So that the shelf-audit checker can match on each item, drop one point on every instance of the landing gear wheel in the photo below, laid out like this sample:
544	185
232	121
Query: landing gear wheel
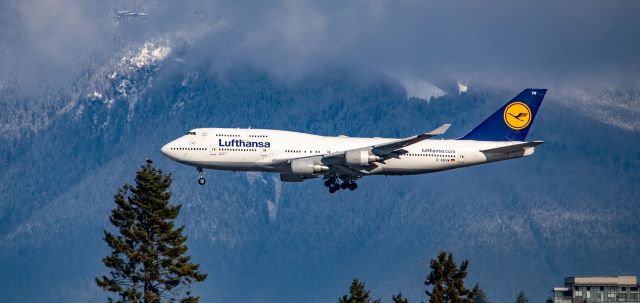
353	186
332	189
328	182
201	179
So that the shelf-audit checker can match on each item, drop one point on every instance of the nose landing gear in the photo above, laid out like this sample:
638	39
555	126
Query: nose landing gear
201	179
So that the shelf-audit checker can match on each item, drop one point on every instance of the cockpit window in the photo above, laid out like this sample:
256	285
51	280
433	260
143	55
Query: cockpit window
191	133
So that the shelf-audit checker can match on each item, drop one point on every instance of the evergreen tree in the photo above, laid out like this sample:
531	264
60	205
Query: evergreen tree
447	281
399	299
357	294
481	297
148	262
522	298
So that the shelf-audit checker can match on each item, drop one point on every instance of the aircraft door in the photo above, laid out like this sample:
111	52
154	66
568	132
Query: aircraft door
212	150
263	153
460	158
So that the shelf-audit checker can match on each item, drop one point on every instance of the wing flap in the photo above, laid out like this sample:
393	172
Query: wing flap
512	148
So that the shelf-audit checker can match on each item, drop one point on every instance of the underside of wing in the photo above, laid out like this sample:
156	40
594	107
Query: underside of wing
512	148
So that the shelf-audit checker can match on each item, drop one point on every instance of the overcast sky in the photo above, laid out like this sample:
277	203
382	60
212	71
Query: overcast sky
574	42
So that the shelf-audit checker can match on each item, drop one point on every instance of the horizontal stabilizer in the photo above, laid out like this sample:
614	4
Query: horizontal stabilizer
512	148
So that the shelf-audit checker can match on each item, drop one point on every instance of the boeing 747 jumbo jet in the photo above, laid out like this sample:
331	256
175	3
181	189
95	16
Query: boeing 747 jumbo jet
342	160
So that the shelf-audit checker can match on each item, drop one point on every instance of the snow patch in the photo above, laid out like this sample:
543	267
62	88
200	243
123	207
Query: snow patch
253	177
122	87
272	208
149	54
618	107
462	87
68	107
421	89
273	205
79	112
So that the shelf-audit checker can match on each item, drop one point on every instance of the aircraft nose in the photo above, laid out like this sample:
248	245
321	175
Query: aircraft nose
165	150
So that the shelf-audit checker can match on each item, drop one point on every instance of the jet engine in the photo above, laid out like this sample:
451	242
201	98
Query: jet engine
307	167
360	157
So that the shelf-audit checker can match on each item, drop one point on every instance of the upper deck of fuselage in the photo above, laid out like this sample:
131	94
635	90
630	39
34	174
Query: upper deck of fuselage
341	142
274	134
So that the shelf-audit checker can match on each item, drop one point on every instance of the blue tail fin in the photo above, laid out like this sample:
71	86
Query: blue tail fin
512	121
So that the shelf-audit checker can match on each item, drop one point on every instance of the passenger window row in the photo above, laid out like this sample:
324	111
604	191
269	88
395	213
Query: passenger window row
258	136
300	151
188	148
227	135
238	149
432	155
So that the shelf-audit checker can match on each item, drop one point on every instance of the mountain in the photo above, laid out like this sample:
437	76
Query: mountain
570	209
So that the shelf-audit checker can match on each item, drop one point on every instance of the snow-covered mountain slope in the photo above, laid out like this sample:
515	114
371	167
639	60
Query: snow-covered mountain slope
570	209
619	107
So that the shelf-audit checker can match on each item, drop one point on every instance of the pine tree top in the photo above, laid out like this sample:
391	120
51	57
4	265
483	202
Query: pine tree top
358	293
148	259
446	280
522	298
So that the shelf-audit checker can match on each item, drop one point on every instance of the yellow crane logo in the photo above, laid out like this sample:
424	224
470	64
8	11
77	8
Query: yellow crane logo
517	115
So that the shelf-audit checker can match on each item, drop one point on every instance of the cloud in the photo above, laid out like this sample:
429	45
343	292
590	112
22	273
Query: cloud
296	27
569	42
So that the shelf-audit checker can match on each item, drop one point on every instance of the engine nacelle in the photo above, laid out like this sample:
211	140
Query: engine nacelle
360	157
294	178
307	167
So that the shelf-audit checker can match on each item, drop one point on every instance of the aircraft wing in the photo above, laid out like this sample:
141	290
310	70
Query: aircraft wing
512	148
385	149
389	147
337	162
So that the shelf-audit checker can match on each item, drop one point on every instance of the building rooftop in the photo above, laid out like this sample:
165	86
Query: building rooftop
602	280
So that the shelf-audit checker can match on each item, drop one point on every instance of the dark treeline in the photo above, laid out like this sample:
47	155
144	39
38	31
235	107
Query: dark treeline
148	261
445	284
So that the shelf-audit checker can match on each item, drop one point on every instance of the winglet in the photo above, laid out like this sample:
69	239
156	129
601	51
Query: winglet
439	131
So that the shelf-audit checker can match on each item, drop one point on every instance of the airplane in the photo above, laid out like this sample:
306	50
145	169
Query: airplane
128	13
342	160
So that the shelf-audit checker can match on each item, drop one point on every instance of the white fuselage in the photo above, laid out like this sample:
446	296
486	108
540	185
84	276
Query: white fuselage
263	149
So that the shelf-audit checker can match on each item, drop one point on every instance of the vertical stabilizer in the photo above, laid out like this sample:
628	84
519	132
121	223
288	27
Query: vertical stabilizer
512	121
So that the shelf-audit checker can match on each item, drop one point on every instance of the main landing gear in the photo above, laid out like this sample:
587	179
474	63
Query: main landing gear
334	185
201	179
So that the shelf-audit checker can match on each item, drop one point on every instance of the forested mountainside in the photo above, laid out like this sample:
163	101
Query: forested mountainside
264	241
